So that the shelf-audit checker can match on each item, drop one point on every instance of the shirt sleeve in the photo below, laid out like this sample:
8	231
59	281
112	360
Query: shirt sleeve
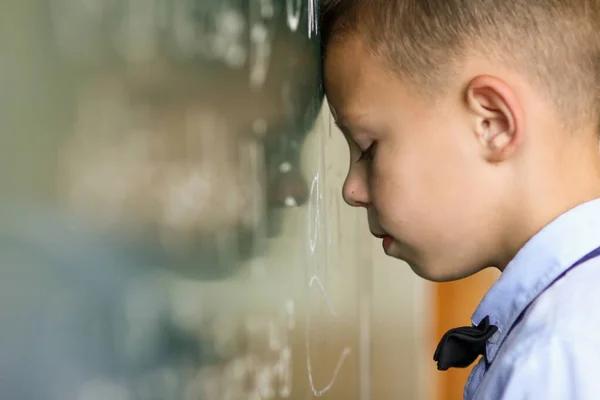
556	368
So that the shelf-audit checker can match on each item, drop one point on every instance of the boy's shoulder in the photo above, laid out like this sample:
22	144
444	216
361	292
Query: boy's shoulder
555	345
568	311
569	308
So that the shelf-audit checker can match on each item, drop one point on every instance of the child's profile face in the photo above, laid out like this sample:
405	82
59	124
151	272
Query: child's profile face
415	165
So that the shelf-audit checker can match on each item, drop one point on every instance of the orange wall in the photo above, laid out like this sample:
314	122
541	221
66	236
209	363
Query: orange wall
454	304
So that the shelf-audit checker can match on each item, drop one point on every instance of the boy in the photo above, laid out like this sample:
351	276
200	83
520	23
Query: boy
472	128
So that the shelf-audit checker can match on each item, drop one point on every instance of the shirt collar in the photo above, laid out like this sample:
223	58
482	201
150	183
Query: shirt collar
548	254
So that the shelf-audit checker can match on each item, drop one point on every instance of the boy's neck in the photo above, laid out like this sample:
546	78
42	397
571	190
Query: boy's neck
569	178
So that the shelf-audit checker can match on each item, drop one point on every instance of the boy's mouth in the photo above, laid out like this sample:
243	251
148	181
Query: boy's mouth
387	240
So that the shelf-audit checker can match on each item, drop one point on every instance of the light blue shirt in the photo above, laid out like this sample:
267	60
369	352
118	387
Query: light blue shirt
553	353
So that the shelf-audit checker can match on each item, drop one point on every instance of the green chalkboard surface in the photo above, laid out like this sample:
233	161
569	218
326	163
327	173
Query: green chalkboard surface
149	146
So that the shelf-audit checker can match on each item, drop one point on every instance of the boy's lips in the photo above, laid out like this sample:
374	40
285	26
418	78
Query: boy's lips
387	240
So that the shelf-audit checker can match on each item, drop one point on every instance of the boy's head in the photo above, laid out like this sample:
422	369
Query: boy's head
471	123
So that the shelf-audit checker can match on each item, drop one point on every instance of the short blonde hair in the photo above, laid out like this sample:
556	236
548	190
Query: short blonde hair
555	43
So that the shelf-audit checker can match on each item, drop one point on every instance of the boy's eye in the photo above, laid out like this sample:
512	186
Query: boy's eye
368	154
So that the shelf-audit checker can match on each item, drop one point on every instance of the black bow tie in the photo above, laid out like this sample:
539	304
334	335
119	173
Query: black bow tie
459	347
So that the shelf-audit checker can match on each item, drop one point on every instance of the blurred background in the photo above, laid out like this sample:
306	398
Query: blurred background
171	220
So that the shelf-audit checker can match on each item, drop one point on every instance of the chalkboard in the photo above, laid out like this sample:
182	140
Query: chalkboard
253	64
165	142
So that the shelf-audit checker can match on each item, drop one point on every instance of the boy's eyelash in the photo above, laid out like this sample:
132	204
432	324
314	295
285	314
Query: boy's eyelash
368	153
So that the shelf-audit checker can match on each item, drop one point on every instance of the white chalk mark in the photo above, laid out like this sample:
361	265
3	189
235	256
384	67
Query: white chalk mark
314	228
294	8
261	55
345	352
314	214
293	14
231	26
285	167
290	202
283	370
316	279
313	18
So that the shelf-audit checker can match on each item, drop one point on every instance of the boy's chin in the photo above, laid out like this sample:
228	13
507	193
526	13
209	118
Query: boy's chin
432	275
441	275
439	272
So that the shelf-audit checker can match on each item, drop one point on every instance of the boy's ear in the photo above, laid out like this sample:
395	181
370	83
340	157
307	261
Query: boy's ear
497	117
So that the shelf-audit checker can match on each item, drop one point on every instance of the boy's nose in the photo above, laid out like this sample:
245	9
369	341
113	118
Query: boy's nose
355	190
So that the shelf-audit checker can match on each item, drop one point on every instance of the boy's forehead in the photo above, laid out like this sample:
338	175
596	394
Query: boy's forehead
344	61
344	73
355	81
